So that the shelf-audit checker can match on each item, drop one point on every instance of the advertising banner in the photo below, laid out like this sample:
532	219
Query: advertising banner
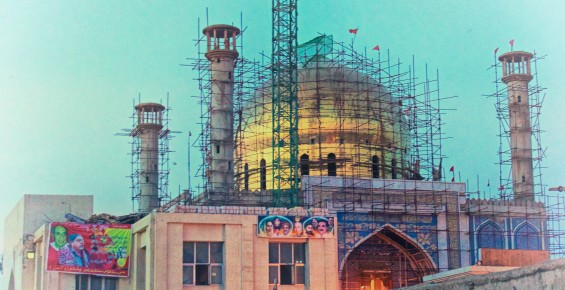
89	249
275	226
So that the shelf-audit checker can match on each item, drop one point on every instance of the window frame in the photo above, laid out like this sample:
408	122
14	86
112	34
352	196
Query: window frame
84	282
294	265
332	165
209	264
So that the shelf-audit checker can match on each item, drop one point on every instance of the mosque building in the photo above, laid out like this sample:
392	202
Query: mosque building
375	209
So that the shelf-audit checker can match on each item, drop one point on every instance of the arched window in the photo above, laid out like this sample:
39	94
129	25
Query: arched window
375	166
263	174
490	236
304	164
246	176
527	238
332	168
394	170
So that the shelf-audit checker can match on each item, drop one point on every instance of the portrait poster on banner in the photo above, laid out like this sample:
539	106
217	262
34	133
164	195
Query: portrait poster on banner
89	248
275	226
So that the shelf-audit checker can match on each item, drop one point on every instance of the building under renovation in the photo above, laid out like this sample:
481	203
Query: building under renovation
365	144
326	133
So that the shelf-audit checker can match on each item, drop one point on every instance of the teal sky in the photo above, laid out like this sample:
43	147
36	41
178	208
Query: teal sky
69	71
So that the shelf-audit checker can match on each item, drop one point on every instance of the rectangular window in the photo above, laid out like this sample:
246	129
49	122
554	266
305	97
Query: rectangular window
202	263
286	263
88	282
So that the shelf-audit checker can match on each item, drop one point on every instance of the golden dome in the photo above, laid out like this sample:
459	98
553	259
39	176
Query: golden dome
341	112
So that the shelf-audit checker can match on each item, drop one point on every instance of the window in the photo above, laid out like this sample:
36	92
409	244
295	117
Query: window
304	164
246	176
332	169
394	169
375	166
263	174
202	263
519	99
286	263
88	282
217	148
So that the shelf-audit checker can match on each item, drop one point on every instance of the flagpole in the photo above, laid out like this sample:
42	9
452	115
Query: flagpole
488	185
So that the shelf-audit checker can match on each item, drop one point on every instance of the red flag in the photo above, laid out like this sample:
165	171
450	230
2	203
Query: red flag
501	187
512	42
453	179
377	48
452	168
354	31
407	111
496	50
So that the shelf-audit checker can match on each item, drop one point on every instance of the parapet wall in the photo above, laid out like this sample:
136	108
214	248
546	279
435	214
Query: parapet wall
250	210
548	275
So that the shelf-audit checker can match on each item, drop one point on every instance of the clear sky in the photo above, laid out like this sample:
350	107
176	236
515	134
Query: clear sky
69	71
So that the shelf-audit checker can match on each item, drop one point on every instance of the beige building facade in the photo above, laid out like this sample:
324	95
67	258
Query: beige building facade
201	247
31	213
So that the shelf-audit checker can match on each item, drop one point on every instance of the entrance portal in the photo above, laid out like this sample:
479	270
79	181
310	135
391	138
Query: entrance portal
388	259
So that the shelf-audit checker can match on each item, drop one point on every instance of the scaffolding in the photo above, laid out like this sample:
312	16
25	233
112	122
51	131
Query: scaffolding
246	73
284	90
164	136
370	150
351	109
552	203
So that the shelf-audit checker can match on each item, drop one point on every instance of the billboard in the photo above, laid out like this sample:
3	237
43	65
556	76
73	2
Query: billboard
276	226
89	248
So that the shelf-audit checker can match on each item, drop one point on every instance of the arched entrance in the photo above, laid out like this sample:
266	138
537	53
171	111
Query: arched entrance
385	260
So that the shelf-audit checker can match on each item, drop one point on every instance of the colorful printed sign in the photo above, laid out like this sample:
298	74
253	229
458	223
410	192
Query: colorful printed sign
89	249
275	226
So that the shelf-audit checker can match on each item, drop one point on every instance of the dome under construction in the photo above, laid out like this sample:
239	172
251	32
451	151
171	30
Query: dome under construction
349	125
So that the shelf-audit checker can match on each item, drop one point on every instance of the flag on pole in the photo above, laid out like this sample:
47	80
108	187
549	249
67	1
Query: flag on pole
452	169
501	187
354	31
407	111
453	179
488	184
512	42
496	50
377	48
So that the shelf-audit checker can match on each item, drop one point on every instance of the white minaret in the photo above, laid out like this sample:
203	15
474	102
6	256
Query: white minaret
149	124
516	74
221	52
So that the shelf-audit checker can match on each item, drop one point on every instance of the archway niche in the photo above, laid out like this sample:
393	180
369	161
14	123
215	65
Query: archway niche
388	259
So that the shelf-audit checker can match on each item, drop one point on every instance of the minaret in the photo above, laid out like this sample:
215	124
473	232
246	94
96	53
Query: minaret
221	52
516	74
149	124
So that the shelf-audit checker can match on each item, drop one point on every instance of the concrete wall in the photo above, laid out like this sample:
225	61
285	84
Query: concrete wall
548	275
31	212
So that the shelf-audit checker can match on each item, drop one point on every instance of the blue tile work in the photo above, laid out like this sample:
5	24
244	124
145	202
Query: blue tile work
513	233
490	236
354	227
526	237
